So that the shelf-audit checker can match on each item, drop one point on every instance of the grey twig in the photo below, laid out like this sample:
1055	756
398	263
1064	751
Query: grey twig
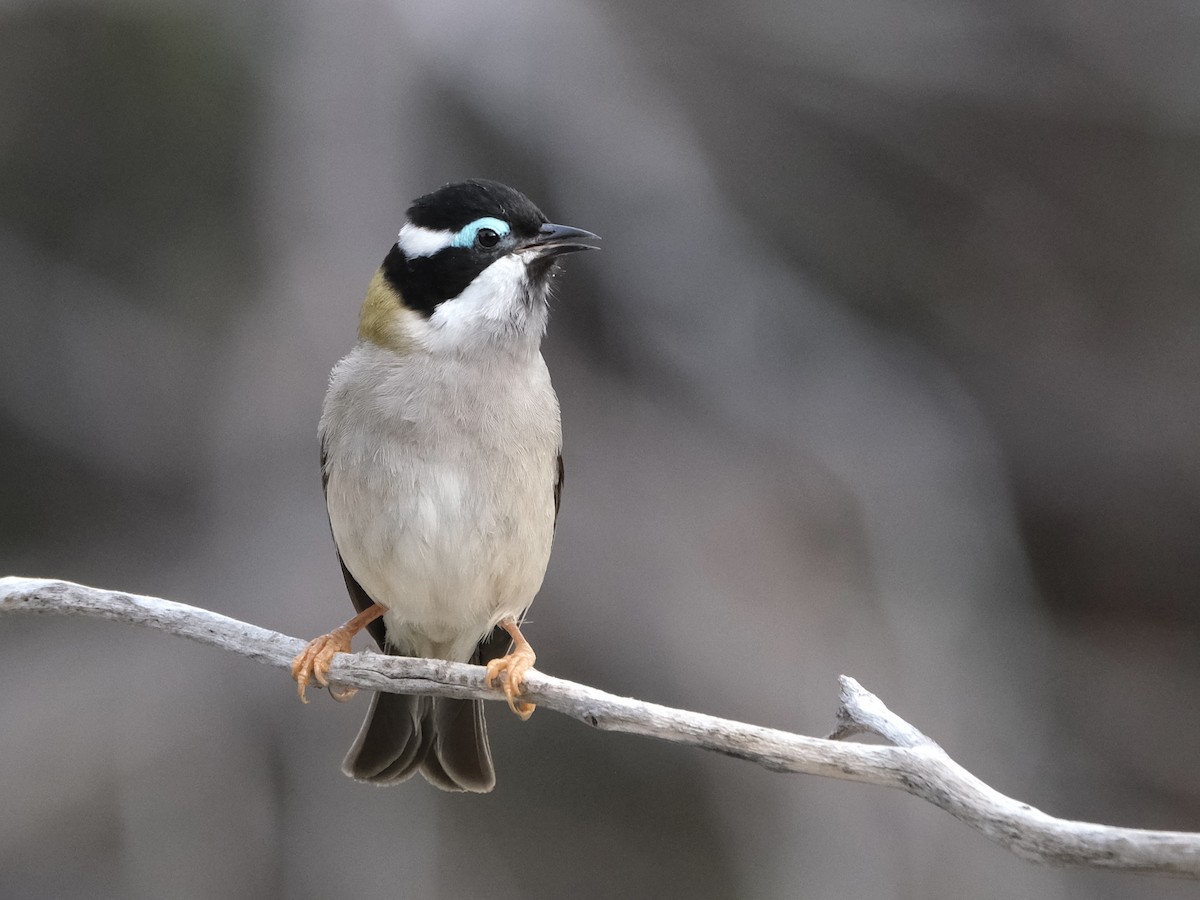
915	764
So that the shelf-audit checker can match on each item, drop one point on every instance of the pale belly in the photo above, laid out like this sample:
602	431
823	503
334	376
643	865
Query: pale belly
448	550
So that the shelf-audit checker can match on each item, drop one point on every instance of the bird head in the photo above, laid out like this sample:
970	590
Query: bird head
471	267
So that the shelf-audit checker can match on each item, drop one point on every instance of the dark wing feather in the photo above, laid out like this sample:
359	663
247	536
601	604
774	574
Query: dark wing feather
324	471
558	483
359	597
362	600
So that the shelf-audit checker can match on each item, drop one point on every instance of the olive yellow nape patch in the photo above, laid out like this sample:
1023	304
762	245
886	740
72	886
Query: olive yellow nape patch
384	317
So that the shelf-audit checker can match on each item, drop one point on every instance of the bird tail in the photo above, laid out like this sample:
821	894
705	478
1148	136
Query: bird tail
445	739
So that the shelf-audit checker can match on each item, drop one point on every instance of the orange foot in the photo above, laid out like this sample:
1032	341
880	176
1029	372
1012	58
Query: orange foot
510	670
314	660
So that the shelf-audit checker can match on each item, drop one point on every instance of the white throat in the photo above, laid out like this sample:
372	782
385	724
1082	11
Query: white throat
500	307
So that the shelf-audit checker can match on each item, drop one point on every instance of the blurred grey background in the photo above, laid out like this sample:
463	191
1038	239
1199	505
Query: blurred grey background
890	366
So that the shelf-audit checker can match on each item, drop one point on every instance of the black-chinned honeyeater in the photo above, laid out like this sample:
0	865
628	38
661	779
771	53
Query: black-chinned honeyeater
441	458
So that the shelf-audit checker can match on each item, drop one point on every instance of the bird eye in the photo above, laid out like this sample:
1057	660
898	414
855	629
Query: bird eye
484	234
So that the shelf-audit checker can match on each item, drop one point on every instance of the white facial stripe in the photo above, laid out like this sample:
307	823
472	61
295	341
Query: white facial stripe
417	241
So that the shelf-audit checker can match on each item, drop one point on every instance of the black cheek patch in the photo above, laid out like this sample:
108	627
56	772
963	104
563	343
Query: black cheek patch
426	282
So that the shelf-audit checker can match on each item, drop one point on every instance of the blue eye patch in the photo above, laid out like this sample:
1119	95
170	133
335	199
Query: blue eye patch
466	237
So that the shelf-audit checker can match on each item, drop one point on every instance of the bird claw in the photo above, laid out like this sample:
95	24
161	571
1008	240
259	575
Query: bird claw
510	672
342	692
314	660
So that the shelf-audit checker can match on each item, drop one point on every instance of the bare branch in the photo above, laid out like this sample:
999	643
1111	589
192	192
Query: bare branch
916	764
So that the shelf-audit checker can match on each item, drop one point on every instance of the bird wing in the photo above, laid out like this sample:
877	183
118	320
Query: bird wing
358	596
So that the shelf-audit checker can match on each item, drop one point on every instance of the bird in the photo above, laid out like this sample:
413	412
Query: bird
441	463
